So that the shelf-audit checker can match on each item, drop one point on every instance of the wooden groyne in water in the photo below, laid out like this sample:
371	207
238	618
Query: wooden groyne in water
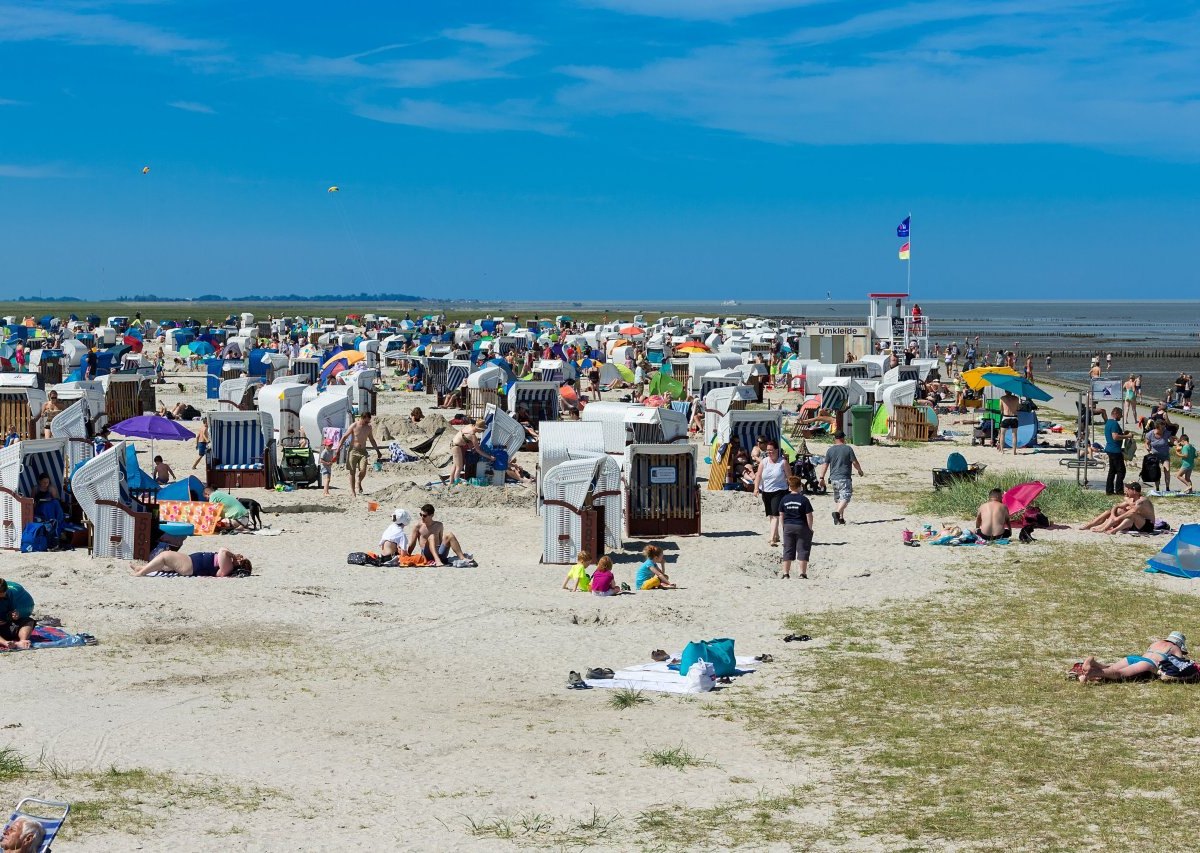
1088	352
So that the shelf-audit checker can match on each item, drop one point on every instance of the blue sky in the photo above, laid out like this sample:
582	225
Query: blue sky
593	149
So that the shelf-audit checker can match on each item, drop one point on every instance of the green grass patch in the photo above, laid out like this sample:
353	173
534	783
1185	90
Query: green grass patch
679	757
1063	501
627	697
956	718
128	798
12	765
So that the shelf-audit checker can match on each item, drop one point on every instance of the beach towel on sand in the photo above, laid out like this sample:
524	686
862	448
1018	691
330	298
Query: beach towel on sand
46	637
659	677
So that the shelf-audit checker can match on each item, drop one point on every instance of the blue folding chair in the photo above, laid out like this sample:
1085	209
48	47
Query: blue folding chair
51	814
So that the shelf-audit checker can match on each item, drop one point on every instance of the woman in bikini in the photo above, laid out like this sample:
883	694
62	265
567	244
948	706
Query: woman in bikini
465	442
50	409
1133	666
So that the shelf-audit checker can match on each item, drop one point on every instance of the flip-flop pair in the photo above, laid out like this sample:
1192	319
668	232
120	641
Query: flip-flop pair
797	638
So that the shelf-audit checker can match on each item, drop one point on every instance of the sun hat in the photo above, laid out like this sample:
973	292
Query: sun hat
401	516
1178	639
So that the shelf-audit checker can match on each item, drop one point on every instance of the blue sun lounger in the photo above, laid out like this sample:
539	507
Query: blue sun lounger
49	813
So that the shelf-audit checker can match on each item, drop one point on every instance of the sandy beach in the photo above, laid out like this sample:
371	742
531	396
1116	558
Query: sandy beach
402	709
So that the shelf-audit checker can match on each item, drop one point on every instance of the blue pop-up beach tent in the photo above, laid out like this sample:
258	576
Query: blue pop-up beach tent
1181	556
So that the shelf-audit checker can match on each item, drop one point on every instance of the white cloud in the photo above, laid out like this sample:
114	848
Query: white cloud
30	172
472	53
1028	76
700	10
50	21
513	115
192	107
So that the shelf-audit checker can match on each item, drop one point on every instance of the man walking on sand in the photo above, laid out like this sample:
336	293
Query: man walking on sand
839	460
356	463
1009	406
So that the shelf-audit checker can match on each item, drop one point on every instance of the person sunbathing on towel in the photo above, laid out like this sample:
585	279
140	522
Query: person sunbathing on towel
1134	665
992	521
1135	512
824	419
23	835
435	542
221	563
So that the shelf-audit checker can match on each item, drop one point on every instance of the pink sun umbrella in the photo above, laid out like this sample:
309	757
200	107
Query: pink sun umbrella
1020	496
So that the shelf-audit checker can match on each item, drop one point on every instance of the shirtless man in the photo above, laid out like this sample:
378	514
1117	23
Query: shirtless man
1009	406
991	521
436	544
356	463
1135	512
201	443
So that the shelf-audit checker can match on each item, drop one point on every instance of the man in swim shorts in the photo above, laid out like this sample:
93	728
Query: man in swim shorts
1135	512
992	521
1009	406
356	463
436	543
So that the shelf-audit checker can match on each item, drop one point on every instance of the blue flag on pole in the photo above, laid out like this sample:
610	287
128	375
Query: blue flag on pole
902	228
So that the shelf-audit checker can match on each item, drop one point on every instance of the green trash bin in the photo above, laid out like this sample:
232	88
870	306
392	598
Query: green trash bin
860	425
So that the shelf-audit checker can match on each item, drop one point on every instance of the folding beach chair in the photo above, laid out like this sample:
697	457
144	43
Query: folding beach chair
422	450
49	813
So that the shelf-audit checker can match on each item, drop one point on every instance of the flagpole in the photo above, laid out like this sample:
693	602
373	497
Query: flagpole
908	266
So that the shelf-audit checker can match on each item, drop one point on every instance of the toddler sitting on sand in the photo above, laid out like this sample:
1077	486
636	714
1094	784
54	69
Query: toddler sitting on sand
652	574
603	582
578	579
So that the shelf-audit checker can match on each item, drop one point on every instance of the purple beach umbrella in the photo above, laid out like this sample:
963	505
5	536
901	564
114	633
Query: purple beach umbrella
153	427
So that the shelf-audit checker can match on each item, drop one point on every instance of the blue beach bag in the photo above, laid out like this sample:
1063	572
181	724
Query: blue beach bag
34	537
717	652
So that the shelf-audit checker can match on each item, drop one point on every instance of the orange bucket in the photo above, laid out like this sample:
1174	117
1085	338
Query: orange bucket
372	506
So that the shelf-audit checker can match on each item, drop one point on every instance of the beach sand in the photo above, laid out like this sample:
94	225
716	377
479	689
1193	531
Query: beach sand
388	709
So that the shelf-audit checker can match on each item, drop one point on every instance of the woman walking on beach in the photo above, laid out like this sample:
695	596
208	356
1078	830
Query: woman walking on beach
1129	395
771	481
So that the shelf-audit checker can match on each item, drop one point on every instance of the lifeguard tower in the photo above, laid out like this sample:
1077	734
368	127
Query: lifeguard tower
894	324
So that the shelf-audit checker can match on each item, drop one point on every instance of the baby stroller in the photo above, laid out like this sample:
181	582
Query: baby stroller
298	465
804	468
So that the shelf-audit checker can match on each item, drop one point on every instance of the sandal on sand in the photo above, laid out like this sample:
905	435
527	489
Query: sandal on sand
764	658
785	577
574	682
599	673
625	588
659	655
797	638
